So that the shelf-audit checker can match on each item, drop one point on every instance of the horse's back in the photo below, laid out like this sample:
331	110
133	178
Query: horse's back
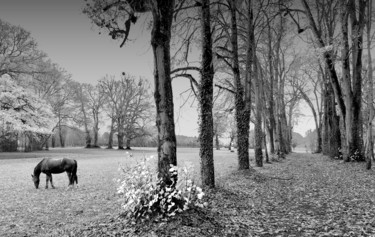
56	166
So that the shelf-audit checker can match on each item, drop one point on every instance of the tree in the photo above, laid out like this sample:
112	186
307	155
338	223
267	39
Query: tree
240	88
82	118
21	111
219	126
113	15
18	51
348	94
139	113
206	100
54	86
369	151
128	106
96	99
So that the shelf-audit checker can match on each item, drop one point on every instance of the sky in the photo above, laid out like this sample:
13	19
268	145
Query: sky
70	40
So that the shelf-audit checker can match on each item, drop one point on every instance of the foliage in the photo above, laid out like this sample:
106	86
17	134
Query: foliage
23	111
146	196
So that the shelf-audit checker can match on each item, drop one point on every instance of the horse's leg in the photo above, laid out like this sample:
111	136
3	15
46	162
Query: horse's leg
70	177
51	181
47	178
76	179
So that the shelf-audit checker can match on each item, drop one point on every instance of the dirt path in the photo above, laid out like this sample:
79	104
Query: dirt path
304	195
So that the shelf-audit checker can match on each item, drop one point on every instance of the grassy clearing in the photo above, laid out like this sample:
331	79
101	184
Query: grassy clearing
26	211
303	195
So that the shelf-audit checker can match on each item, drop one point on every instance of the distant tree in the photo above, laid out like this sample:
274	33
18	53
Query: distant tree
140	114
128	105
54	86
82	118
231	130
96	100
21	111
18	51
220	126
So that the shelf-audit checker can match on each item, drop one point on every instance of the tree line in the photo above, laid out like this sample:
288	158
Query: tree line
258	61
264	58
40	101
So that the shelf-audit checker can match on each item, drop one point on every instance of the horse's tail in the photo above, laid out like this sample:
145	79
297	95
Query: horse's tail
74	173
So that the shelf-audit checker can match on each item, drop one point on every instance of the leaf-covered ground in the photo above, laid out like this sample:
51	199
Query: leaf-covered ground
303	195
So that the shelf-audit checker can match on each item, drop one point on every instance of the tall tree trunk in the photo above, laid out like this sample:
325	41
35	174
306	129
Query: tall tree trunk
96	129
331	130
267	160
162	12
206	101
217	143
271	104
128	141
242	100
317	127
61	136
53	141
110	137
120	140
369	152
258	133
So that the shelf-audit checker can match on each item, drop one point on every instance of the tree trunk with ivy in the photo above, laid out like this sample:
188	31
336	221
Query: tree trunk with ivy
258	132
331	142
241	100
369	151
162	12
206	101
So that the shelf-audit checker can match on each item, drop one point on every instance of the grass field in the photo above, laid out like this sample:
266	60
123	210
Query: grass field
302	195
26	211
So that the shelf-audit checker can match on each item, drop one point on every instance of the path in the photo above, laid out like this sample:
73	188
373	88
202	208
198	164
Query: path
324	198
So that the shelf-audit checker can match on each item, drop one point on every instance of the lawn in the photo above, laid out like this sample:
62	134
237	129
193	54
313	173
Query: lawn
302	195
26	211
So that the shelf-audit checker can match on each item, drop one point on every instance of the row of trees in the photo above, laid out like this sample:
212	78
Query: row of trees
247	52
39	100
249	57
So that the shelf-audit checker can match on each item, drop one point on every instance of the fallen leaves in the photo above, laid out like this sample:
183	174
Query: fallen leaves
323	198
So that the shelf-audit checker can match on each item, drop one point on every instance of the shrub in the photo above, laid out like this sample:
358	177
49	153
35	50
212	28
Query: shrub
144	196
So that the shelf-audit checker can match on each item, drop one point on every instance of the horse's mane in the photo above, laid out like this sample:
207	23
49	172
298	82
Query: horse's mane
38	168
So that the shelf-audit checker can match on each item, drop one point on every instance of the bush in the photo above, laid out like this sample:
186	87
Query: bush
144	196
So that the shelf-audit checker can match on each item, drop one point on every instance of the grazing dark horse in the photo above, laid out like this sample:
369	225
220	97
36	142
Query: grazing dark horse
51	166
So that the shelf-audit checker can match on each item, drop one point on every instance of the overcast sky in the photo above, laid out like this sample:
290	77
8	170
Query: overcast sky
70	40
67	36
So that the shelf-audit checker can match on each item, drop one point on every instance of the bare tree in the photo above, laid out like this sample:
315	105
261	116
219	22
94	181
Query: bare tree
82	101
117	18
96	99
348	94
220	123
18	51
128	106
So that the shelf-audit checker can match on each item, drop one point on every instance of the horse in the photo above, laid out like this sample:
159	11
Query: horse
51	166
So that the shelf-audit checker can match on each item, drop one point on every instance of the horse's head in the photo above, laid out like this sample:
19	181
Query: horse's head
35	179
